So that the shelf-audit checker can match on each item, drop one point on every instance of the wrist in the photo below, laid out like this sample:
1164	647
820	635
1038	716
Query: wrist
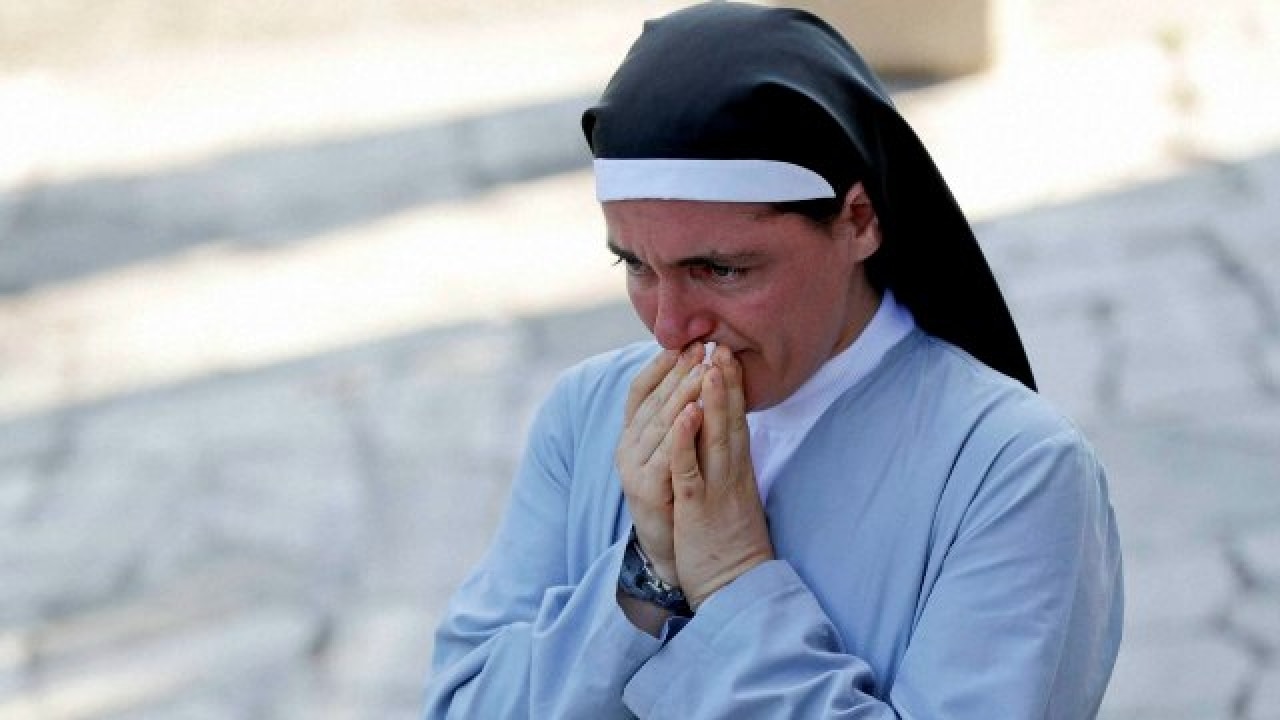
664	568
662	571
639	579
644	615
698	595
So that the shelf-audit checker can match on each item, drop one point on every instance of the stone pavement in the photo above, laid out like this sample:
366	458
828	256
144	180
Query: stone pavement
262	382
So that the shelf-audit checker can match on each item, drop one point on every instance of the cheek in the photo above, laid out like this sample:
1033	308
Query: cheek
763	317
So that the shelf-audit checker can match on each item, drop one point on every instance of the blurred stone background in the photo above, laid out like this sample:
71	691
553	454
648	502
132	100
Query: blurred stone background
282	283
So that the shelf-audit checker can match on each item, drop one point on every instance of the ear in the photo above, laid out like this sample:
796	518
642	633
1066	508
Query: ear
858	224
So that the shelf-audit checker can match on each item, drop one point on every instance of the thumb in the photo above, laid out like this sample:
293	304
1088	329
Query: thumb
686	476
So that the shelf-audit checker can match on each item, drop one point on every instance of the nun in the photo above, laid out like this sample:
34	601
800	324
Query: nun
827	488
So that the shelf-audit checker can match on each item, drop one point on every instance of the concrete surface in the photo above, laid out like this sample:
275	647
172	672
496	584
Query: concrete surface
272	323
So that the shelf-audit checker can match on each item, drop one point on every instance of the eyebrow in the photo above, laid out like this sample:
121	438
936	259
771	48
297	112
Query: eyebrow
710	258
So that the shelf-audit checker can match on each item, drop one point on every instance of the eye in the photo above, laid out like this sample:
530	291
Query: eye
721	273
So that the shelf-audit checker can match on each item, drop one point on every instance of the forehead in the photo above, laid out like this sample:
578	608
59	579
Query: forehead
644	222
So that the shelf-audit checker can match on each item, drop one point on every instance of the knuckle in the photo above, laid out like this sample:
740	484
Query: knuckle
686	471
686	476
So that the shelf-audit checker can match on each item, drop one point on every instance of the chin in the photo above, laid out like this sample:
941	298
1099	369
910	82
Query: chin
756	404
762	396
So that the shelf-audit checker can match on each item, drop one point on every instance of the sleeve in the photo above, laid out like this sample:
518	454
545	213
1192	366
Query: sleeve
1022	621
520	639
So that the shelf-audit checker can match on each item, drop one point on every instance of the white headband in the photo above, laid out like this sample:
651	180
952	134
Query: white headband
707	180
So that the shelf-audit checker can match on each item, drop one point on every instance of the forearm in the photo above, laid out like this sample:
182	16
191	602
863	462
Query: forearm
760	647
535	667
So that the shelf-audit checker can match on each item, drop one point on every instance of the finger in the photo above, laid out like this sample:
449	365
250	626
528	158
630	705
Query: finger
647	379
736	410
657	398
686	477
660	423
662	454
713	439
643	437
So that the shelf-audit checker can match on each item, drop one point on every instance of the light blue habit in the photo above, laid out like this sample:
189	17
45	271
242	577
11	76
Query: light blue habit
946	551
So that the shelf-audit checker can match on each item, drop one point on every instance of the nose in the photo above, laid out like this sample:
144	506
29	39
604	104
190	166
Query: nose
681	318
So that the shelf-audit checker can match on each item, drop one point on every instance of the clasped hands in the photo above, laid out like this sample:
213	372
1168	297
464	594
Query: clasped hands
687	474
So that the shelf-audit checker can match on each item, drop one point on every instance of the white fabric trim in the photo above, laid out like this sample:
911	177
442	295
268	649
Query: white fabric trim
776	432
707	180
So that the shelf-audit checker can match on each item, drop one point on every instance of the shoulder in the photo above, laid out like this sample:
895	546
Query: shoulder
606	372
1011	440
593	389
582	415
959	385
624	361
964	410
995	462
